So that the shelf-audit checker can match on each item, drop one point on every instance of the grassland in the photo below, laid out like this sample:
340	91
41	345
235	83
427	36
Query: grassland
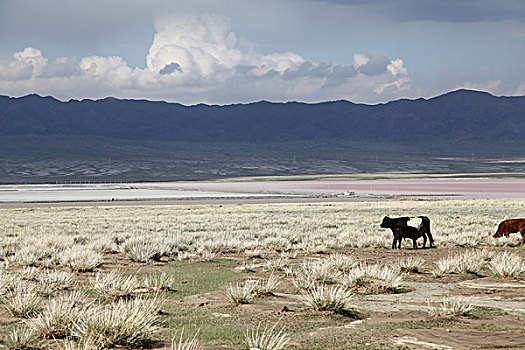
136	276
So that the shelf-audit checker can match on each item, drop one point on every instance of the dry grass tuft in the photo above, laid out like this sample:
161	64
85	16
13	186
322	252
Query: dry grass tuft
23	301
80	258
113	285
411	265
322	298
126	323
507	265
241	293
448	308
20	338
186	344
58	316
267	286
268	339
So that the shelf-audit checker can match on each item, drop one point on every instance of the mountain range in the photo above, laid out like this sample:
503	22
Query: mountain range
43	139
458	115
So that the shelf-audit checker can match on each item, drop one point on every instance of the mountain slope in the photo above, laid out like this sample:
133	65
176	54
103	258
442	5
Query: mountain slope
458	115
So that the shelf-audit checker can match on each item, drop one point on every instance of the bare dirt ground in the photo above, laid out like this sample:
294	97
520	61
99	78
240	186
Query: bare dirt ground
401	320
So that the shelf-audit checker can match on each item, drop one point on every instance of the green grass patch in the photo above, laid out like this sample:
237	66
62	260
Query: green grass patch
203	277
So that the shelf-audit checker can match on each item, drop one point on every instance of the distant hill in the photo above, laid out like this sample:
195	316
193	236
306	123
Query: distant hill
46	140
458	115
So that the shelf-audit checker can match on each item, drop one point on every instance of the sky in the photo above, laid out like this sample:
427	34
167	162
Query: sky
237	51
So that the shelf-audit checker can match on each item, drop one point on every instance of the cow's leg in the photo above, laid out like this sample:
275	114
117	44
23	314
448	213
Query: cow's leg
394	243
399	244
424	241
430	238
414	242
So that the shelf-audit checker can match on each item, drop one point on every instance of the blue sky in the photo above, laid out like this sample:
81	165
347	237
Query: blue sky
246	50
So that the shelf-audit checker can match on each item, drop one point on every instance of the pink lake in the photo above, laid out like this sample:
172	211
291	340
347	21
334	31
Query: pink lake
455	188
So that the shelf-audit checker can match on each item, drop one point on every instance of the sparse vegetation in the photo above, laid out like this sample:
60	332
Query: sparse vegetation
241	293
270	338
450	308
411	265
322	298
180	343
20	338
313	263
23	301
113	285
124	322
507	265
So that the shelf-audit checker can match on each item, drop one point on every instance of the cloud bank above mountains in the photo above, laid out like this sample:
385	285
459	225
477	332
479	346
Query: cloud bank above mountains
199	58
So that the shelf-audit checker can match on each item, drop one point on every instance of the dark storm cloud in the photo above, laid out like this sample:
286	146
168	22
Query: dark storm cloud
376	65
170	68
442	10
319	70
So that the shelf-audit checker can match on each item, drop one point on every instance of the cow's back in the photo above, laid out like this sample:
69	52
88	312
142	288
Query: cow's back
511	225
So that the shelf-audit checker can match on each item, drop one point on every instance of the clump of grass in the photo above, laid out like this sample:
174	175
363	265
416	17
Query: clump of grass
241	293
20	338
29	273
471	262
80	258
507	265
319	271
142	251
23	301
411	265
126	322
269	339
278	264
448	308
340	262
113	285
186	344
369	279
301	282
446	265
322	298
57	279
268	286
158	281
29	255
57	318
9	282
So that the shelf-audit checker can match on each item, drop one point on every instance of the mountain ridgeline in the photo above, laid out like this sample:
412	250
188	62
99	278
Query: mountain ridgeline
459	115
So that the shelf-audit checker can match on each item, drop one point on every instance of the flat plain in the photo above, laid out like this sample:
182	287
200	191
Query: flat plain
322	272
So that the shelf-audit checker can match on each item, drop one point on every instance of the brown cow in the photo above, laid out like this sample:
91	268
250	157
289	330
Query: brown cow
507	227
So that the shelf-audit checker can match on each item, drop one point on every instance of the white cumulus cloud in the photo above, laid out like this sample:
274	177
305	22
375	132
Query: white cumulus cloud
200	59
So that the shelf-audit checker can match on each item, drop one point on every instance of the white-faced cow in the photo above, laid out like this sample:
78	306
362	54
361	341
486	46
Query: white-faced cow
409	227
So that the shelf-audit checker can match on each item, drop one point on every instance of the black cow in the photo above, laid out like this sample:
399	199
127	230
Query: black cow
420	223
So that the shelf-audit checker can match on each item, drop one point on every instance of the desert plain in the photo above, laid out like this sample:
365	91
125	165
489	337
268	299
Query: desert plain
311	274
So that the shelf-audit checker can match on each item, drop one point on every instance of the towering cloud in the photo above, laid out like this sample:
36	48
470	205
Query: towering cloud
200	59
